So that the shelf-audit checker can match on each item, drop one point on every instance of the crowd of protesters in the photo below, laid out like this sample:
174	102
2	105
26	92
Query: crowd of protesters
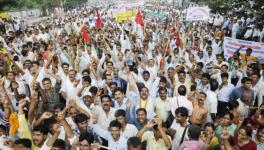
85	81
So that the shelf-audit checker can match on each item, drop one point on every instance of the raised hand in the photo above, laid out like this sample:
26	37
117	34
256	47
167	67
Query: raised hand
22	103
158	121
72	103
46	115
150	124
128	104
225	134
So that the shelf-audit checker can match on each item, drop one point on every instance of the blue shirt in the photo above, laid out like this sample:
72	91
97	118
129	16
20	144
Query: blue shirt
237	93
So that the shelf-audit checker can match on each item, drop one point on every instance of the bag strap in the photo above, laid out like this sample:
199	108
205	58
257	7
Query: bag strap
184	132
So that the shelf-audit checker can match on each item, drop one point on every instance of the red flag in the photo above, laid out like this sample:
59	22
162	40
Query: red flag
178	40
98	21
85	36
139	20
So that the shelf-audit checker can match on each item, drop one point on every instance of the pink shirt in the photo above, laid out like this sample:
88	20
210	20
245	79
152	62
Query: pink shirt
192	145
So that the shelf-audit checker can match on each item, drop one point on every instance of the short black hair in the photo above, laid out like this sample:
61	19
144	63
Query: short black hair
182	72
59	143
224	75
120	112
146	72
63	64
42	129
183	111
134	142
194	131
162	89
115	123
86	70
87	78
144	87
163	79
46	79
214	85
210	124
245	79
25	142
200	64
93	90
141	109
35	62
113	83
79	118
224	65
106	96
50	121
86	136
182	90
206	75
119	90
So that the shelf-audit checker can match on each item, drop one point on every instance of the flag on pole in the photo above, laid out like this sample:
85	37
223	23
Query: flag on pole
139	20
85	35
98	21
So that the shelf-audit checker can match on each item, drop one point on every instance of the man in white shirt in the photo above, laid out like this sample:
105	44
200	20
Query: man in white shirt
181	78
224	93
113	136
178	126
161	104
127	130
211	101
203	85
106	113
180	101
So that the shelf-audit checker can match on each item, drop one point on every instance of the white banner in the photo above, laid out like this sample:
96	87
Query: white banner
232	45
130	4
198	14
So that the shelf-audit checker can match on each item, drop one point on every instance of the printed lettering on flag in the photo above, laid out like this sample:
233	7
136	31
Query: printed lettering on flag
232	45
198	14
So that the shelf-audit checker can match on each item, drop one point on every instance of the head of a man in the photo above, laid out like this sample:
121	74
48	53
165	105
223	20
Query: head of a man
134	143
181	115
141	115
121	116
106	102
85	141
39	135
81	121
144	93
115	129
22	144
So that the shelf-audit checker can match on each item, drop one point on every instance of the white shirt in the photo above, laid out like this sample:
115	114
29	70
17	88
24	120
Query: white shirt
211	104
243	109
180	101
258	91
130	131
224	93
178	135
121	144
161	108
248	33
68	88
103	119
